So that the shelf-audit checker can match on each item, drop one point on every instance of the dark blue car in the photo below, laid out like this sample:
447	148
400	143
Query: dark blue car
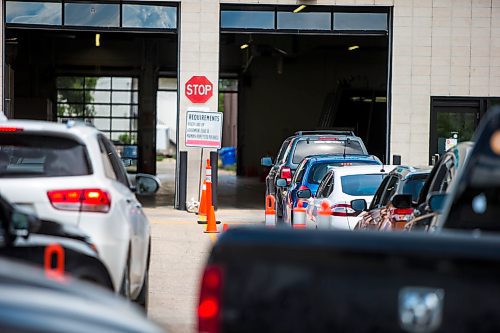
311	171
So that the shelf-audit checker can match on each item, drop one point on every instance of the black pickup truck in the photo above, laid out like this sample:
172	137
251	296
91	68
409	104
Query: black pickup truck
282	280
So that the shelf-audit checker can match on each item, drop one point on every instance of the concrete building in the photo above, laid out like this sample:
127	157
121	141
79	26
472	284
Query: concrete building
409	76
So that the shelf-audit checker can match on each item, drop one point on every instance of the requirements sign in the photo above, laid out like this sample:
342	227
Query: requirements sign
204	129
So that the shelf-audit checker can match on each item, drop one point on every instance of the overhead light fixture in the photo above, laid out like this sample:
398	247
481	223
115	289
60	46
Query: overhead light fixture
299	8
97	40
352	48
244	46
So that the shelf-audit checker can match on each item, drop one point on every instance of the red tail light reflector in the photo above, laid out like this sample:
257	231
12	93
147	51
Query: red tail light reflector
402	214
286	173
7	129
209	306
83	200
343	210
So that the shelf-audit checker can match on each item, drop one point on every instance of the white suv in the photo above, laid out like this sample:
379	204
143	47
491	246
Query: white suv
72	174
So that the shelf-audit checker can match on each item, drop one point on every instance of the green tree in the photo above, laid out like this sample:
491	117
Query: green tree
72	90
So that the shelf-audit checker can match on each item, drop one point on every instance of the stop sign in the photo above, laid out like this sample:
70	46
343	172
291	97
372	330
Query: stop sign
199	89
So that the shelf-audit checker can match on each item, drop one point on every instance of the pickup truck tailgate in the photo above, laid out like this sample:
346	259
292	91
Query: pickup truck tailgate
336	281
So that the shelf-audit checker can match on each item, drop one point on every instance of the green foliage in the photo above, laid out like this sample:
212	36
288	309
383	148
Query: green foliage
127	139
76	90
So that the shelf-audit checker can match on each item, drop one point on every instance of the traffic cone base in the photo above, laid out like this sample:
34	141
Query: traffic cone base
211	222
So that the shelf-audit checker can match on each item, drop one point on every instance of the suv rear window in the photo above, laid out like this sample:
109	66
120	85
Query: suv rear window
318	147
414	186
319	170
361	185
25	155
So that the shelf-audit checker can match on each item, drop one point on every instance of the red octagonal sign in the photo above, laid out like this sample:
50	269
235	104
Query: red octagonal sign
199	89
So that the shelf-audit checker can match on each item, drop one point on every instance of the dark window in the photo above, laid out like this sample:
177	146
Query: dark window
390	190
92	14
44	13
247	19
283	150
361	185
299	174
25	155
324	186
377	198
115	161
304	21
360	21
306	148
413	186
149	17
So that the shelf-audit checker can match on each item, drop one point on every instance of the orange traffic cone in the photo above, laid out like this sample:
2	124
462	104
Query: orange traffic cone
208	192
202	210
270	211
211	223
299	216
324	215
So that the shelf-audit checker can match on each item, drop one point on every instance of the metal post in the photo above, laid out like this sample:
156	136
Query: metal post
183	161
214	164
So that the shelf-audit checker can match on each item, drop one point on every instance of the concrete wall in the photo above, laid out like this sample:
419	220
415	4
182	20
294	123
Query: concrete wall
198	55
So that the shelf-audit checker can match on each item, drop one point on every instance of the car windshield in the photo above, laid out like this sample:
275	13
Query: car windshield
361	185
318	147
414	186
25	155
319	170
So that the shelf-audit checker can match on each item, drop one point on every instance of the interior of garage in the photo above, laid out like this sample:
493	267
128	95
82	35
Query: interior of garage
121	82
292	79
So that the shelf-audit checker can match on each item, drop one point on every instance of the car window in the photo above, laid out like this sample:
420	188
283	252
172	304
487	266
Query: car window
106	160
413	186
299	174
361	185
376	201
282	151
318	147
323	186
390	190
30	155
319	170
116	163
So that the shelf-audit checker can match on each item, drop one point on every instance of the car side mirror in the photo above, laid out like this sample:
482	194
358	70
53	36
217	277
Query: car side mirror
402	201
359	205
281	182
436	202
146	184
266	161
22	224
304	194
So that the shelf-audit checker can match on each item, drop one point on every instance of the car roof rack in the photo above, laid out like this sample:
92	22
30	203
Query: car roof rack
337	132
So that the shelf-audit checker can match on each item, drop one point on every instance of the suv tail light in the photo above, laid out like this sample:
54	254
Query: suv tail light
343	210
402	214
8	129
209	306
286	173
81	200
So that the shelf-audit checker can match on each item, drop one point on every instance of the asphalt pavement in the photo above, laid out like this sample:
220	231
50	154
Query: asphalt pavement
180	248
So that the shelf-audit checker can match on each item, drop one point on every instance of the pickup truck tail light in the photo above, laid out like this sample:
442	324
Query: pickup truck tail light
343	210
209	306
80	200
286	173
402	214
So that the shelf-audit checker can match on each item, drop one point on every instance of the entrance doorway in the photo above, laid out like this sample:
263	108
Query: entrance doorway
454	120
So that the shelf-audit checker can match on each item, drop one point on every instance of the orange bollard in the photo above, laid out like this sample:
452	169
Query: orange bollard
202	210
270	211
299	216
211	223
324	215
55	273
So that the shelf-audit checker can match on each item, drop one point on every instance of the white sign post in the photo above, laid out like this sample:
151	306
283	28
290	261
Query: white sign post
204	129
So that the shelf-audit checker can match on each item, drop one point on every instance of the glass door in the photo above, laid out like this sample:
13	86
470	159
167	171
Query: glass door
452	122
